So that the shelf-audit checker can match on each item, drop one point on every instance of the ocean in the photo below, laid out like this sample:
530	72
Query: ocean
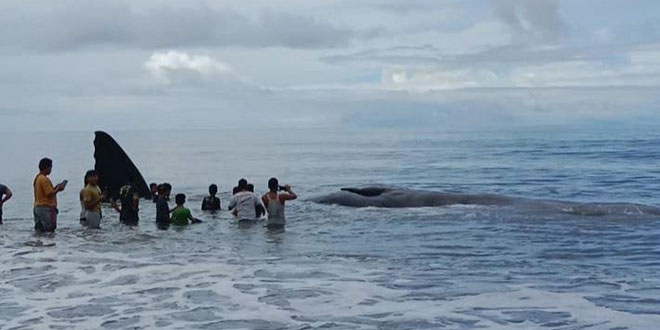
335	267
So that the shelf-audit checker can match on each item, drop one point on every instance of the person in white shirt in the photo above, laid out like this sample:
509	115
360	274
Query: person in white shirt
244	204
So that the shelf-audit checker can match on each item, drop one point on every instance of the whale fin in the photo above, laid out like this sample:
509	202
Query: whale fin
115	168
366	192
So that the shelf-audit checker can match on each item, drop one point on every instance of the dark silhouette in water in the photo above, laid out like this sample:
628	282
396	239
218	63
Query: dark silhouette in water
115	168
391	197
396	197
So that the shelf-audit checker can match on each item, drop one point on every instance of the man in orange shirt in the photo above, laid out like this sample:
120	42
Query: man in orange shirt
45	198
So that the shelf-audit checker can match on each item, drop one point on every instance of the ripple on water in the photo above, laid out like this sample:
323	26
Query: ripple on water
43	283
206	297
199	314
121	322
81	311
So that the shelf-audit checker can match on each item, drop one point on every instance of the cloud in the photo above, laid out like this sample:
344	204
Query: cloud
69	25
531	21
639	67
173	65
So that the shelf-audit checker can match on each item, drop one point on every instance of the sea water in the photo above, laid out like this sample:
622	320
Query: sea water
455	267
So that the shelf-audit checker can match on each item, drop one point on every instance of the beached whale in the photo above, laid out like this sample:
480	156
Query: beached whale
115	168
399	197
391	197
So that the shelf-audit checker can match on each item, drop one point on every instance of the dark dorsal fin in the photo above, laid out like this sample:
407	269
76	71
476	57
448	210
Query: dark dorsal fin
366	192
115	168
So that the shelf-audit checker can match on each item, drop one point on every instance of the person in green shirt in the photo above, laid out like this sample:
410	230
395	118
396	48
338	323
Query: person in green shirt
180	214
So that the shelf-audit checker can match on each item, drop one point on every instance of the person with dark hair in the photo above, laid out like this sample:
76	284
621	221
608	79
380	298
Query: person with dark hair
154	191
274	202
180	214
45	198
92	198
235	190
5	195
162	207
129	200
210	202
244	204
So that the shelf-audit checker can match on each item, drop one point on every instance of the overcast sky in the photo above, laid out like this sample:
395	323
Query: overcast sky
442	63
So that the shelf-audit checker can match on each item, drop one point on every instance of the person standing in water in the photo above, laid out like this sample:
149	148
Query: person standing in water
45	198
274	202
93	198
244	204
211	202
162	207
5	195
129	200
180	214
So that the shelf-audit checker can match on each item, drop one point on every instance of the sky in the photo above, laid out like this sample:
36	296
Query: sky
118	64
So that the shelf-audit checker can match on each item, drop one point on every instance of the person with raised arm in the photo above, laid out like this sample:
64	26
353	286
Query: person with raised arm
274	201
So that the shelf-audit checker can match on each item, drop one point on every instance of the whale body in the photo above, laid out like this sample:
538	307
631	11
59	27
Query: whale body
392	197
399	198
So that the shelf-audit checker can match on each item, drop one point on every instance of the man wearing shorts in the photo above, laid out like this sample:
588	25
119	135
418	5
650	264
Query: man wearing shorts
45	198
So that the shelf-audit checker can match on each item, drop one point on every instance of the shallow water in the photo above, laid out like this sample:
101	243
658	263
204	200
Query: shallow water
457	267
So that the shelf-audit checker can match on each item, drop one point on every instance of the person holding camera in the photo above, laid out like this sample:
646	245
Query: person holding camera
274	202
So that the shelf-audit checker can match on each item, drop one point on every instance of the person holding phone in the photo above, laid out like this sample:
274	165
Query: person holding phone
274	201
45	198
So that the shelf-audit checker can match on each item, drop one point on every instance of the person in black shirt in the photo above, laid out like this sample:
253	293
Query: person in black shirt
211	202
130	201
162	207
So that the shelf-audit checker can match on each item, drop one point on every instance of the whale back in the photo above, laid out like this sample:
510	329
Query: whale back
367	191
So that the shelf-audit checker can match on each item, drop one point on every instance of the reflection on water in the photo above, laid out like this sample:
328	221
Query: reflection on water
459	267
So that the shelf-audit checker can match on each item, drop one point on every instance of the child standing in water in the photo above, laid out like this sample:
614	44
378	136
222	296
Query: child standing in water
210	202
181	215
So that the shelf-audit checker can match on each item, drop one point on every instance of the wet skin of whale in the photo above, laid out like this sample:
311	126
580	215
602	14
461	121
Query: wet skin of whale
389	197
398	198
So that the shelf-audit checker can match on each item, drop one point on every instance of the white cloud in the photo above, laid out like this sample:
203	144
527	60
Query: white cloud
173	65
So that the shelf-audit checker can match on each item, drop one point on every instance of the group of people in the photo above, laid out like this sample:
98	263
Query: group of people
244	204
247	207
